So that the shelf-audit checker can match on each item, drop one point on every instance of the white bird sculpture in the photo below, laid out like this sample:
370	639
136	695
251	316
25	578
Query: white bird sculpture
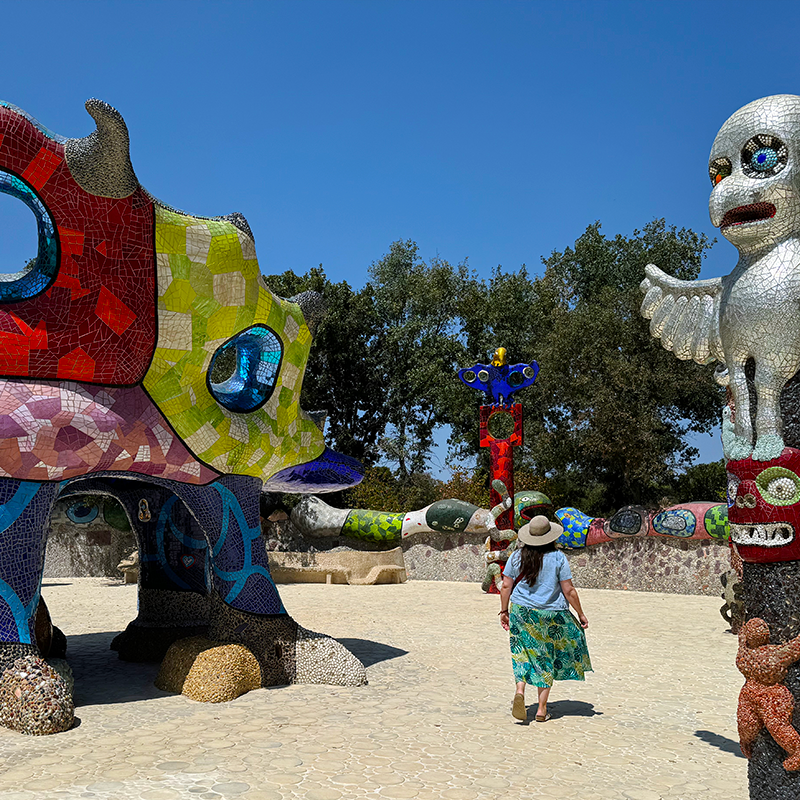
754	312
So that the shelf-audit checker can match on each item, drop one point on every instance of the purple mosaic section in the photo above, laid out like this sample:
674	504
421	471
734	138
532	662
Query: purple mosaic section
57	430
330	472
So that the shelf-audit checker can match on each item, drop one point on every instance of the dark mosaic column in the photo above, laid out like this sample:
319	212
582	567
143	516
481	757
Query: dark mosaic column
772	593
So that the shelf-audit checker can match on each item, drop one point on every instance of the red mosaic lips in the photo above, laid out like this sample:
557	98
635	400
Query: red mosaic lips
96	323
743	214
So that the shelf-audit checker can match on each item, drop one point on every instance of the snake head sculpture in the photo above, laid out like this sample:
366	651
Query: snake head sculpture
142	338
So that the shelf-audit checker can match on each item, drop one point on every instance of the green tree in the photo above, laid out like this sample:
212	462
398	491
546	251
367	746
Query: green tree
418	346
343	376
608	419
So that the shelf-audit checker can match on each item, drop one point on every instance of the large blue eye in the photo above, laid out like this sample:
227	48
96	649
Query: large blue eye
764	159
243	371
763	156
39	274
83	511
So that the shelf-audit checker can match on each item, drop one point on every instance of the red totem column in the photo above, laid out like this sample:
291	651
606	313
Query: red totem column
501	421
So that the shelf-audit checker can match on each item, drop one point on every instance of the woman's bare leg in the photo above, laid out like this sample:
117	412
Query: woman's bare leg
544	693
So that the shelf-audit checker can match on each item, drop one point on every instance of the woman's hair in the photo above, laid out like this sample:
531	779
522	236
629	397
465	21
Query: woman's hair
531	557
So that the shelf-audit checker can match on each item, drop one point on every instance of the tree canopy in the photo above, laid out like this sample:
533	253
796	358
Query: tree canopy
606	422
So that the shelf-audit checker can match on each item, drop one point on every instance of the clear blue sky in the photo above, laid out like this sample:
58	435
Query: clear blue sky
494	131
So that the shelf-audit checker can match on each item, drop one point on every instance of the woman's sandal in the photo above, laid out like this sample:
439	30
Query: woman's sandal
540	718
518	710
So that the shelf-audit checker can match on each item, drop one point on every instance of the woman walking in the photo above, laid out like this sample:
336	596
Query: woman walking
546	642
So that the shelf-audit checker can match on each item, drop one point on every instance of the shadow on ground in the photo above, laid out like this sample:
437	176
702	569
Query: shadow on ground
562	708
369	652
720	742
101	678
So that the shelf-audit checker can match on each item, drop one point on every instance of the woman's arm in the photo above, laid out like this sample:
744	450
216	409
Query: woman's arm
571	593
505	598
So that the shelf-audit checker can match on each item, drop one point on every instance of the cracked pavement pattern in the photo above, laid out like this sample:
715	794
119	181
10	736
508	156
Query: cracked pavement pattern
655	721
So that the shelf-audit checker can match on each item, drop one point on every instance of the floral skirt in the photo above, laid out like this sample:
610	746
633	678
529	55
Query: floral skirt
547	646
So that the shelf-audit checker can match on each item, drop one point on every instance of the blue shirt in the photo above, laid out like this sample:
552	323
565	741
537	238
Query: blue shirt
546	592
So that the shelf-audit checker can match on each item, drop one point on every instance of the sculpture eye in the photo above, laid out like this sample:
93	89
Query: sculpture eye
82	511
764	156
243	371
779	486
718	169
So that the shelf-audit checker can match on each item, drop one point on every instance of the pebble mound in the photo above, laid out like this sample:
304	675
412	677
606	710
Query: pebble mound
34	698
207	671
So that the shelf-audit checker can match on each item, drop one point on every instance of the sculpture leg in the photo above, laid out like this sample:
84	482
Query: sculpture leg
173	584
769	442
34	698
748	722
742	444
246	608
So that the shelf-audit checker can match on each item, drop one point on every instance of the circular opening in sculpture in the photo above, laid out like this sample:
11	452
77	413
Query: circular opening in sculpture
501	425
30	254
243	372
18	233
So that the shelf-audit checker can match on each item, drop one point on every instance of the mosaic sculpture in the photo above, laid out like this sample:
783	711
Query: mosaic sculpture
501	432
749	321
696	521
143	343
765	701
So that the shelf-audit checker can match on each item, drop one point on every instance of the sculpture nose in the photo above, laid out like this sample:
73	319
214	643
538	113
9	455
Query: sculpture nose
746	501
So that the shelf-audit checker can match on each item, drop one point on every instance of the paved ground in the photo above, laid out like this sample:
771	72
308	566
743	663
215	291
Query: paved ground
655	720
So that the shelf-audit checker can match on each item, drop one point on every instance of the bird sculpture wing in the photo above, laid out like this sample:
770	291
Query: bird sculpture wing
684	314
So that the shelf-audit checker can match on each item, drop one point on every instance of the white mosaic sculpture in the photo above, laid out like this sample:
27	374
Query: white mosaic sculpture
754	312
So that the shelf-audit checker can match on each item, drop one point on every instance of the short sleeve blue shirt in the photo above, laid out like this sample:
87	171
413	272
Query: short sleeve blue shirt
546	592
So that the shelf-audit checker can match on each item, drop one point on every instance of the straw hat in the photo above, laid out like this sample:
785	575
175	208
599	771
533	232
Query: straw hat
539	531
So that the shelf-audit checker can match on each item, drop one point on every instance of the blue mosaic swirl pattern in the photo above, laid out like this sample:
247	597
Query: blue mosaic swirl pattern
25	508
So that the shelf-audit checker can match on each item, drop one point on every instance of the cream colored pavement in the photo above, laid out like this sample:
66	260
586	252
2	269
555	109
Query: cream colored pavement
655	720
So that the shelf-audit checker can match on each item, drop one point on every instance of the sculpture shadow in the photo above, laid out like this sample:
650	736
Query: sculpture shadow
720	742
101	678
369	652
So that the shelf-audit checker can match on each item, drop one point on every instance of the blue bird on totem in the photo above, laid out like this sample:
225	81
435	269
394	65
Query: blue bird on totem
499	379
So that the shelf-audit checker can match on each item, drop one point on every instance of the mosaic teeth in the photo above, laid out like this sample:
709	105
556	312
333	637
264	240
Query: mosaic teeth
774	534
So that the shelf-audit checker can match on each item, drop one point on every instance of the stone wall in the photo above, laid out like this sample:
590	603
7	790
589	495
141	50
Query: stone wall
90	549
649	564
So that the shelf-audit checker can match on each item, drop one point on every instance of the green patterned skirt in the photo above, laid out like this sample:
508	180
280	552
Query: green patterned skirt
547	646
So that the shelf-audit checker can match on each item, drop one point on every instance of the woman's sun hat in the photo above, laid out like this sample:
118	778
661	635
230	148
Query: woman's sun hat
539	531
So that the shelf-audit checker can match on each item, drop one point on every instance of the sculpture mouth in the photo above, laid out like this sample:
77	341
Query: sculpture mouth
772	534
741	215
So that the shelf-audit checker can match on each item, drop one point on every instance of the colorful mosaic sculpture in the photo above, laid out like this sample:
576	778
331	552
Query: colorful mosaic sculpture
501	432
765	701
142	342
749	321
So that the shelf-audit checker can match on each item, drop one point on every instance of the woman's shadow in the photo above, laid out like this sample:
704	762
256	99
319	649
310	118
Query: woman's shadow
563	708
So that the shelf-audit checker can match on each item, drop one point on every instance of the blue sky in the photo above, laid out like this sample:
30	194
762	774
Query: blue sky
493	131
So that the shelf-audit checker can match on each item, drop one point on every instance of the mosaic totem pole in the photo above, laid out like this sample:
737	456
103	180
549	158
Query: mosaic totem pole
749	321
500	430
143	357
